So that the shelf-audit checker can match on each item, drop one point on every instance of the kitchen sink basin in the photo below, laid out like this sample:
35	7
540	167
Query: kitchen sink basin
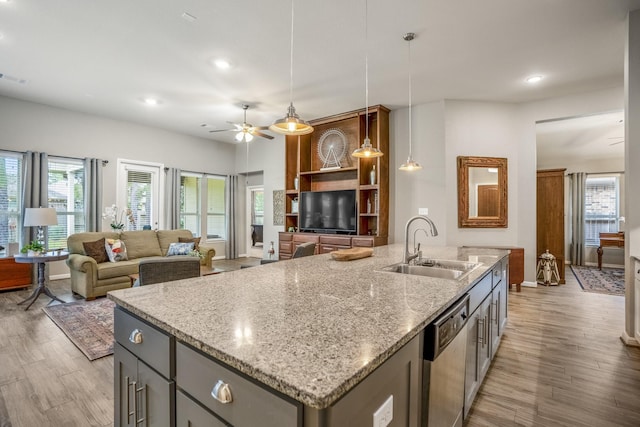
441	269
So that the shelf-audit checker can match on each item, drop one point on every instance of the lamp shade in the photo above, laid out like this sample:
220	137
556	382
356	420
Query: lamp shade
34	217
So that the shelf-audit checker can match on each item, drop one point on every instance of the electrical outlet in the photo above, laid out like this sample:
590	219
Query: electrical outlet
423	211
384	414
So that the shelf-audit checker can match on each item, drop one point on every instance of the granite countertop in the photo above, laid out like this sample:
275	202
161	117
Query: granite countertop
311	328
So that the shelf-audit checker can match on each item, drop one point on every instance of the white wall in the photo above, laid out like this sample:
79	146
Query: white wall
58	132
266	156
631	333
426	188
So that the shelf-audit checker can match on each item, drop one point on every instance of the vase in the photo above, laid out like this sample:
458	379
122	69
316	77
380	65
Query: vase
295	183
271	250
372	176
33	253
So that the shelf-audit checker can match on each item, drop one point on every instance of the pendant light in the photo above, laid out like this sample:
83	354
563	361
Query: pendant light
291	123
366	150
410	164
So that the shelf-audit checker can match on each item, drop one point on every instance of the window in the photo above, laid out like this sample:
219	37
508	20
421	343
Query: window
139	189
66	196
601	209
200	193
190	203
10	197
257	206
216	209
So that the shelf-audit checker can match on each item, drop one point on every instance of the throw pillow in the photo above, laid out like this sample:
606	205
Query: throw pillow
116	250
180	248
96	250
195	240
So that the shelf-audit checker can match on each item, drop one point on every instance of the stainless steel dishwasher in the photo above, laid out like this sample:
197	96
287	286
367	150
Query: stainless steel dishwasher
445	343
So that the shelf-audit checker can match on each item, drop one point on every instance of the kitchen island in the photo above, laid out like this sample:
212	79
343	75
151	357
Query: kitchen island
309	330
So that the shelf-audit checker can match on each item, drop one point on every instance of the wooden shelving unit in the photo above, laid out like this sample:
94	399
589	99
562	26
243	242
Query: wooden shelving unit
303	162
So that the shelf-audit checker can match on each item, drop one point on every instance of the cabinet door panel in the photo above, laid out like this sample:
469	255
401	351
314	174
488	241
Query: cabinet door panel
156	400
190	414
126	372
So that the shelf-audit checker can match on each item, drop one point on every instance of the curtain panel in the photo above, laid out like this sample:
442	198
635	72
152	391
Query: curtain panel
578	182
93	193
231	199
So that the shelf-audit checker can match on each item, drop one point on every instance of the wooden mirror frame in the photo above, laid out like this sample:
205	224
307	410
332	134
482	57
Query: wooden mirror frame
464	221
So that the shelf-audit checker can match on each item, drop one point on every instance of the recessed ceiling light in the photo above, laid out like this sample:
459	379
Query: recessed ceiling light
5	1
151	101
222	64
533	79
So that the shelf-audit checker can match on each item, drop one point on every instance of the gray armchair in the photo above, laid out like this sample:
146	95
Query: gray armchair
167	269
305	249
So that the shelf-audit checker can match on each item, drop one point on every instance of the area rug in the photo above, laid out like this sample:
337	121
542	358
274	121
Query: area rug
88	324
606	281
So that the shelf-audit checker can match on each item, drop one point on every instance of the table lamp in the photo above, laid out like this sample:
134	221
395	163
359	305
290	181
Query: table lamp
40	217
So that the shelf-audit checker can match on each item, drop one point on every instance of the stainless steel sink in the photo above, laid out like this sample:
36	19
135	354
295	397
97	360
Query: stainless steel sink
441	269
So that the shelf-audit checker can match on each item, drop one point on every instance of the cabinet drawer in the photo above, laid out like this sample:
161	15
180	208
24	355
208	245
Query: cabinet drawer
190	414
363	242
479	292
304	238
325	249
155	347
497	273
336	240
285	247
251	404
285	236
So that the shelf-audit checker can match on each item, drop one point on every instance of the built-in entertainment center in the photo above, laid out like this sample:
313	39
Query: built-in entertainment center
331	198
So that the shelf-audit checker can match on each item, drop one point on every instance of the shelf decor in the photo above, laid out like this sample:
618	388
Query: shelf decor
332	147
278	207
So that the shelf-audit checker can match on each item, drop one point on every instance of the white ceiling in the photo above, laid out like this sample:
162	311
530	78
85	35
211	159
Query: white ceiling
105	57
582	139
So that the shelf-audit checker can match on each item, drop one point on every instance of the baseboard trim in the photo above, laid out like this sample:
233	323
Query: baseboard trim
219	257
59	276
529	284
630	341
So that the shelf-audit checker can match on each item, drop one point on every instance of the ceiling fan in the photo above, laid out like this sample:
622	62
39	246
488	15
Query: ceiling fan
246	131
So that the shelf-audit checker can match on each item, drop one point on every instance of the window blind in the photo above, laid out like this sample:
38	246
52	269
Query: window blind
66	196
10	197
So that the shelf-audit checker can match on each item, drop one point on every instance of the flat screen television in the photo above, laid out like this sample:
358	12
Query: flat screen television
328	211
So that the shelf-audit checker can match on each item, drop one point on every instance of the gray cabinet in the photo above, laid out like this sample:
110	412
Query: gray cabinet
190	414
485	327
231	396
143	394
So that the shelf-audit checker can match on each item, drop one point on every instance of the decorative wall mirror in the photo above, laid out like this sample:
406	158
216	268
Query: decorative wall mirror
482	192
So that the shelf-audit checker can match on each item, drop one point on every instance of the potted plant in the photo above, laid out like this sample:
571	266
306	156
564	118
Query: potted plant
33	249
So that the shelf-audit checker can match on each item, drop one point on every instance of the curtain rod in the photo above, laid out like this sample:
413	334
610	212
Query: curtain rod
597	173
104	162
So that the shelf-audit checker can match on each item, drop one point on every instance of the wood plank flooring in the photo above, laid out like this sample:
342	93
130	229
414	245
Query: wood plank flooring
561	363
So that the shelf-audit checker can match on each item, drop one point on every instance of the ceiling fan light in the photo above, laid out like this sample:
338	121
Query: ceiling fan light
291	124
239	136
410	165
367	151
248	137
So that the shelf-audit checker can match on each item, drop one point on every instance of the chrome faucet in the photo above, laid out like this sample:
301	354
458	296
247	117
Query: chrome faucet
434	232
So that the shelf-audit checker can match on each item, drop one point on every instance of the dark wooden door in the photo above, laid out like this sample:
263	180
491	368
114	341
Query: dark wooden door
488	200
550	215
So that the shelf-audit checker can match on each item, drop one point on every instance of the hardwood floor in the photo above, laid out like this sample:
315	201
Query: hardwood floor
561	363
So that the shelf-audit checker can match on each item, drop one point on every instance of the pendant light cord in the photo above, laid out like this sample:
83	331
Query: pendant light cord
366	69
291	59
410	148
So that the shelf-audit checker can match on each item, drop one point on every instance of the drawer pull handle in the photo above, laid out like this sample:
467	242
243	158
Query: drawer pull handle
136	336
221	392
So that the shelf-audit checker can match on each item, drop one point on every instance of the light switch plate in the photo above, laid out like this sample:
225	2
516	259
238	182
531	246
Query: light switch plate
384	414
423	211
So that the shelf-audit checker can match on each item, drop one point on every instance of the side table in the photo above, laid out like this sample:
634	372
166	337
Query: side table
40	260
